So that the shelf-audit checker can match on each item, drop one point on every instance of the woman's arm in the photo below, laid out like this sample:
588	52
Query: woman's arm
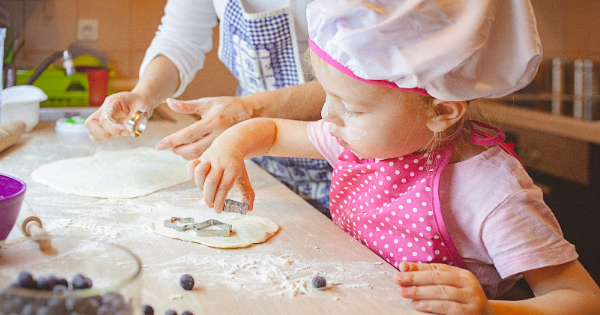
300	102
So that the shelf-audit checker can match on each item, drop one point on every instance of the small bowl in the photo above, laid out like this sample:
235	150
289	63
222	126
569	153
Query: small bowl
12	192
114	272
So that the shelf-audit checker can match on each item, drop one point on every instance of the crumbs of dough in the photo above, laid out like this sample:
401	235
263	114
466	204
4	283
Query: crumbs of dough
176	297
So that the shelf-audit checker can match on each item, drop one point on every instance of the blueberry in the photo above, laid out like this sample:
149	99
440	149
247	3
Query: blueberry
28	309
62	281
319	283
44	284
148	310
81	282
43	310
114	301
104	310
13	305
53	280
26	280
187	313
56	305
170	312
187	282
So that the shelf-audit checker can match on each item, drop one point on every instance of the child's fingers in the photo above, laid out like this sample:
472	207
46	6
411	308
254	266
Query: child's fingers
409	266
200	173
224	186
433	292
432	274
211	186
191	166
243	184
444	307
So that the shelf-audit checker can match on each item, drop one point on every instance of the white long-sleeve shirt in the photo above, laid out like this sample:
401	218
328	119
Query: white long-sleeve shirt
185	33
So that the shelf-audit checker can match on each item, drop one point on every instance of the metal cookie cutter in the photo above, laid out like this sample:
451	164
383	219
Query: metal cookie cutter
188	224
235	206
224	229
137	123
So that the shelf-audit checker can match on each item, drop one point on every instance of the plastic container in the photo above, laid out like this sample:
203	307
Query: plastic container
98	85
74	126
62	90
22	103
114	272
12	192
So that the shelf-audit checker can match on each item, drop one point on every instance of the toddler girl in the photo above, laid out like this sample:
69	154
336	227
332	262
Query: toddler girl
414	180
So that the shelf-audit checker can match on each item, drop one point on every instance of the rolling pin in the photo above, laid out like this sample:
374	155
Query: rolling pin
10	132
31	225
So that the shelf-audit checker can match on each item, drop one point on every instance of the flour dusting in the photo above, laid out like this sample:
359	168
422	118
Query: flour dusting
265	274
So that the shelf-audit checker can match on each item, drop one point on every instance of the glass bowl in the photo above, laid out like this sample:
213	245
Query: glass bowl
112	271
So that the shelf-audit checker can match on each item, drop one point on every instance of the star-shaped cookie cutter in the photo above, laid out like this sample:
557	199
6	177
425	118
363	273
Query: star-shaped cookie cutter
186	224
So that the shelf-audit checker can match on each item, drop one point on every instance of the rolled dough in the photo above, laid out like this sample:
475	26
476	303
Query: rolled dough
246	230
115	174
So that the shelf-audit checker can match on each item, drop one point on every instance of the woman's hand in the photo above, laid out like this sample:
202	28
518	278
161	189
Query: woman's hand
110	120
217	171
442	289
218	114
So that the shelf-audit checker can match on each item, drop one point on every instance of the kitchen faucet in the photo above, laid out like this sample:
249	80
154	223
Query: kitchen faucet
75	50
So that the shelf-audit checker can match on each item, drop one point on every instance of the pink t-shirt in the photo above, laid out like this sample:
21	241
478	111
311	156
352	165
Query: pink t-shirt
494	213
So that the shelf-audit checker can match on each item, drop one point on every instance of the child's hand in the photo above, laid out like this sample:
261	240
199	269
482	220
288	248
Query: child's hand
442	289
215	173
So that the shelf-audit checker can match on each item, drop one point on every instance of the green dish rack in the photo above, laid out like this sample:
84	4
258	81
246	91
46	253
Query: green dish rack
62	90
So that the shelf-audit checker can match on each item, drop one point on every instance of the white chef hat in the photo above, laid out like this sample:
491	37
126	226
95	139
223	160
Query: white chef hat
453	50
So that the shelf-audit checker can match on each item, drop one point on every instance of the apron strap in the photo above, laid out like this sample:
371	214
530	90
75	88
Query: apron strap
480	137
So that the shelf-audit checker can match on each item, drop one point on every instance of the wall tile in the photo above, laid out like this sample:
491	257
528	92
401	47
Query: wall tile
120	63
16	10
145	19
49	25
113	23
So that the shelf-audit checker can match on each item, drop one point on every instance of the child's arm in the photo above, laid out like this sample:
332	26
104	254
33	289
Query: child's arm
442	289
222	166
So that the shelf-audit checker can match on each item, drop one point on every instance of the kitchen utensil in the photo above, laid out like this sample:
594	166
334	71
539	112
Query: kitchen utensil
30	224
137	124
235	206
186	224
22	102
10	133
12	192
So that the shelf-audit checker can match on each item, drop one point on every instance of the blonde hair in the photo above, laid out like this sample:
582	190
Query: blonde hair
425	104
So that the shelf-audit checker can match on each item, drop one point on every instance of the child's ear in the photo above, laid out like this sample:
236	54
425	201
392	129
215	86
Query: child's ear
445	114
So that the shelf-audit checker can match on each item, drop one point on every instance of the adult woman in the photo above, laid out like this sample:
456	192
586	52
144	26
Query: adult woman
262	43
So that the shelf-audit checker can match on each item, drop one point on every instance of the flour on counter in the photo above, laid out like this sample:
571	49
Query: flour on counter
265	274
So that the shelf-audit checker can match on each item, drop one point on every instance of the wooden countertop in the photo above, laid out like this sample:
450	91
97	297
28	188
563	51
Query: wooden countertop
266	278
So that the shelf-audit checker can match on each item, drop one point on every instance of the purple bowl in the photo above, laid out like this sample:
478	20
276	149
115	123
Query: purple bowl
12	192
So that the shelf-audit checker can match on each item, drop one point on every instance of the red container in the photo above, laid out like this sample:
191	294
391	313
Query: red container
12	192
97	86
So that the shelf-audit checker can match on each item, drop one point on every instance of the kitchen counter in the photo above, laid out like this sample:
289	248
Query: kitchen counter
269	278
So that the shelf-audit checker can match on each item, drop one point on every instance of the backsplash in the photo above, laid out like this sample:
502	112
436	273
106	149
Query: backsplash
125	30
569	29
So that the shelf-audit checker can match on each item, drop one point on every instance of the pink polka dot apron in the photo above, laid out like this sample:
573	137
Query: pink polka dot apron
393	206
